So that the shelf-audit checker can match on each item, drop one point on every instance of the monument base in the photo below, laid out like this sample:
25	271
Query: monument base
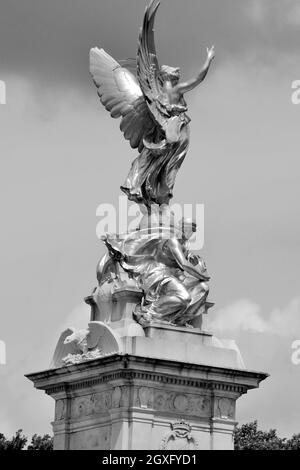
130	401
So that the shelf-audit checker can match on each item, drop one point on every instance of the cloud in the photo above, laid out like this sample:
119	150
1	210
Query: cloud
286	321
63	156
245	315
241	315
17	391
256	10
65	31
265	342
22	407
293	15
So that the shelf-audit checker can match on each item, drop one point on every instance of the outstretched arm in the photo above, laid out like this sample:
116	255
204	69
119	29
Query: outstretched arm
190	84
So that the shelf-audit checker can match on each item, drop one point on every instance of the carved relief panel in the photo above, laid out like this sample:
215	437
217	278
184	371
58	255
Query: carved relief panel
224	407
179	438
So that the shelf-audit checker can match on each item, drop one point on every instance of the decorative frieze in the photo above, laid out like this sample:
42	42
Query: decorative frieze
100	402
188	404
145	398
123	401
224	408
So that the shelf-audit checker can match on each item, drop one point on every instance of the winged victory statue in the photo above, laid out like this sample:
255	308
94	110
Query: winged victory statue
152	261
149	99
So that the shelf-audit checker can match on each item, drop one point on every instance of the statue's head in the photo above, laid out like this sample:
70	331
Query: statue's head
188	227
170	73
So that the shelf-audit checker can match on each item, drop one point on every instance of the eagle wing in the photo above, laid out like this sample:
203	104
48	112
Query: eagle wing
62	349
102	336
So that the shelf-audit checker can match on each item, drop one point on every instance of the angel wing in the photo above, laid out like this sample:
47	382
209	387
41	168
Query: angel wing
131	89
148	69
120	93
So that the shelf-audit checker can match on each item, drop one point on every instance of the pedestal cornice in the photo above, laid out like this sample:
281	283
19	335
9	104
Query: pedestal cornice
130	367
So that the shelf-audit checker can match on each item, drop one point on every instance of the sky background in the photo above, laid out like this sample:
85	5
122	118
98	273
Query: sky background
62	155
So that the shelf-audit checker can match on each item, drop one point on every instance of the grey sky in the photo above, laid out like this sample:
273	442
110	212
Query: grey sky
62	155
49	41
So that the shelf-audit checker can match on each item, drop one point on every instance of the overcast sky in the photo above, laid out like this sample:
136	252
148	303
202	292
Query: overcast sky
62	155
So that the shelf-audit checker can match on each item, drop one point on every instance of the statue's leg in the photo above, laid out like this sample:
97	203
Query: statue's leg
198	295
167	172
172	299
132	186
135	184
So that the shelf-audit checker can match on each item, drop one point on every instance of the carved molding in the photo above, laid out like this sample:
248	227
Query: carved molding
150	377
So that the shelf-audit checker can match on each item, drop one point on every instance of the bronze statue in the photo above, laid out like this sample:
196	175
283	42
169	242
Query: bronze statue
150	101
154	257
173	279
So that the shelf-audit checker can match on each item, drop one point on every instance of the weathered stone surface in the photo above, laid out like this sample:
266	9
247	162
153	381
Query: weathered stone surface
131	402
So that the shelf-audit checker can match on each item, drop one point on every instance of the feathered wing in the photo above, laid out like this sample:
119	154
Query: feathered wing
120	93
102	336
148	69
62	350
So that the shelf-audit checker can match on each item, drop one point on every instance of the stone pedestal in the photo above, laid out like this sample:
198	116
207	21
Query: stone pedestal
151	388
134	401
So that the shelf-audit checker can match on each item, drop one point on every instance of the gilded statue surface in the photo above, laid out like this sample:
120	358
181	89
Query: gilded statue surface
173	279
149	99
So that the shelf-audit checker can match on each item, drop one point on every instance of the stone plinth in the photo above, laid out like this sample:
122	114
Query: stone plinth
188	345
130	401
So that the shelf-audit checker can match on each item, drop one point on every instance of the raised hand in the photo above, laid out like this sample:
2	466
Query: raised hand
210	53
